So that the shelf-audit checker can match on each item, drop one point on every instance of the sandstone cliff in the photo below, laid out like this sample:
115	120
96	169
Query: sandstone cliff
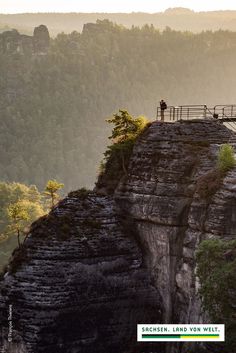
12	42
97	265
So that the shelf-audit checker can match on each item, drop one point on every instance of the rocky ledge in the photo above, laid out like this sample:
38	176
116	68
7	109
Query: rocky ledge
98	265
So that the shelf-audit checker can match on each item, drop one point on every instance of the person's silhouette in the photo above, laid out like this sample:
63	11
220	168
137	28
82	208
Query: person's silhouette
163	107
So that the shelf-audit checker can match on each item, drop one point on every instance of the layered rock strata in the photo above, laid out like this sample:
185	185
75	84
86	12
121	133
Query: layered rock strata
160	196
98	265
77	284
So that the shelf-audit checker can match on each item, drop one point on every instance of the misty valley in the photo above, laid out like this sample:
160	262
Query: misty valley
110	217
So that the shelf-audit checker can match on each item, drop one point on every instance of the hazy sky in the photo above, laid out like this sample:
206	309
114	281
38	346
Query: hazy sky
13	6
16	6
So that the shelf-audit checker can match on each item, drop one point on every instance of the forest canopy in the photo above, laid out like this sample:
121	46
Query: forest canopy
54	106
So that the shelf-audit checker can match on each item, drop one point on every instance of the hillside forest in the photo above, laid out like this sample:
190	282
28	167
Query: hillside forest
54	106
57	95
181	19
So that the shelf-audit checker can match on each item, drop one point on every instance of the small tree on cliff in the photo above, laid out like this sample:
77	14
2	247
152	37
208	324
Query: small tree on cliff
116	158
125	131
18	216
226	159
125	126
51	190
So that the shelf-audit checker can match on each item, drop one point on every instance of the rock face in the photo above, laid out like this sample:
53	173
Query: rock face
160	196
12	42
78	283
98	265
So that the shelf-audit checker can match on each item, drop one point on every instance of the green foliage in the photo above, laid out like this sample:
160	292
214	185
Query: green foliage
20	205
13	192
216	260
18	216
126	130
226	159
125	126
51	190
26	197
124	134
17	212
52	113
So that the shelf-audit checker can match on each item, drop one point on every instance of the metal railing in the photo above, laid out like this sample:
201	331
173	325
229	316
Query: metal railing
225	111
186	112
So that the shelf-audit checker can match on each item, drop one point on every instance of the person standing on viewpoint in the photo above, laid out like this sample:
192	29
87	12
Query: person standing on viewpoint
163	107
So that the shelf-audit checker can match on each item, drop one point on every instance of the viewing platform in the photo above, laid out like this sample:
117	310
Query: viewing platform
223	113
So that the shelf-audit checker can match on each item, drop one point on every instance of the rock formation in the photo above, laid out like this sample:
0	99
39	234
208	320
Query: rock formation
170	217
19	53
98	265
78	283
12	42
41	40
